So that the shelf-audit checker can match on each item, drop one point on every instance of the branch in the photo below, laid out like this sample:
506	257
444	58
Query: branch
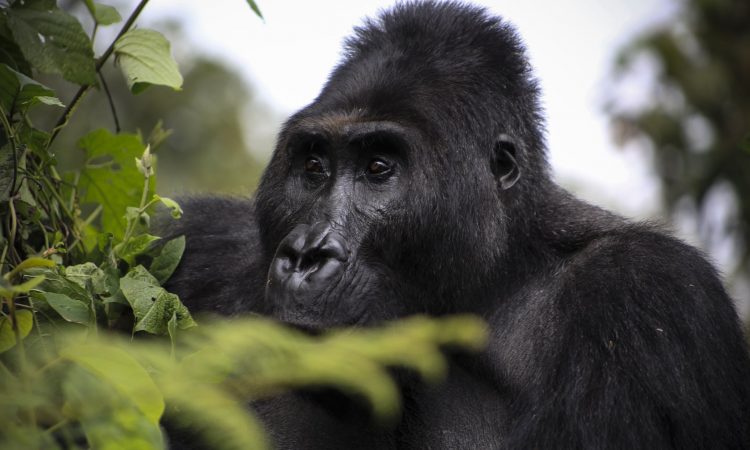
111	102
99	63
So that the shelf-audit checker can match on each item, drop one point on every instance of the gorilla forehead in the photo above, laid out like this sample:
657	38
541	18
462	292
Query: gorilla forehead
428	48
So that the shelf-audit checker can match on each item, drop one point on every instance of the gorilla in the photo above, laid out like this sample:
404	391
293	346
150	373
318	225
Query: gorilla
417	182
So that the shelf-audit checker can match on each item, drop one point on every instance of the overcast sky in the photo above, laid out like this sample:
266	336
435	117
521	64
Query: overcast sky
288	56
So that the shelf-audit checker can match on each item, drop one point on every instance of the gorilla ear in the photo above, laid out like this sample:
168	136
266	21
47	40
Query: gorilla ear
504	164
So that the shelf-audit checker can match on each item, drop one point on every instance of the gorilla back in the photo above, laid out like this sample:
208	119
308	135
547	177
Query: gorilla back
417	182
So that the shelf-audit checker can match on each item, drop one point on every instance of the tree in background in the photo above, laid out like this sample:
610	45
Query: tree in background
208	121
697	120
207	150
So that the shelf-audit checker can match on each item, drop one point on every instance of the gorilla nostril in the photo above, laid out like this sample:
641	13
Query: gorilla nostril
311	254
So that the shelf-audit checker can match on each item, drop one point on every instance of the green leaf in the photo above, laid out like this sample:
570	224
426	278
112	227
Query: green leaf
30	263
7	337
69	309
10	54
102	14
145	59
8	290
54	42
152	305
134	247
115	185
157	318
219	419
89	277
255	8
122	372
36	140
109	419
166	262
18	91
56	282
173	206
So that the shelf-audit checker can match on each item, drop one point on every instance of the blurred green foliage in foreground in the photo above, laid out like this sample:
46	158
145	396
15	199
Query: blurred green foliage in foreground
81	390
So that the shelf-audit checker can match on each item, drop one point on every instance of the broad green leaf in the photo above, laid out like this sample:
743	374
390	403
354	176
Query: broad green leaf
89	277
109	419
102	14
54	42
157	318
174	207
55	281
152	305
69	309
135	247
121	371
255	8
145	59
7	337
17	91
116	185
166	262
140	289
10	54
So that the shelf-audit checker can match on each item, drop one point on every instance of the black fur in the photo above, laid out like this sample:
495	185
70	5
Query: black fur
605	333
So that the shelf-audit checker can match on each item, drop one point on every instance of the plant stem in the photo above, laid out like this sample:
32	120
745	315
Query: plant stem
13	147
141	208
13	226
99	64
57	426
111	102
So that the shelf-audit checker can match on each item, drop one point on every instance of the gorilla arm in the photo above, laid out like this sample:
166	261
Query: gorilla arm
629	350
221	270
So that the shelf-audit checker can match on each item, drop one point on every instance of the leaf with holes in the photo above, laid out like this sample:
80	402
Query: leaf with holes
152	305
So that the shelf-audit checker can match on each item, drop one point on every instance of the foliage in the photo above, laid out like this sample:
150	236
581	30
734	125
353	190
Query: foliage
79	391
78	263
698	119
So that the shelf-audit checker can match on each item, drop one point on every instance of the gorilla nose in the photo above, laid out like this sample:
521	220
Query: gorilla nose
308	258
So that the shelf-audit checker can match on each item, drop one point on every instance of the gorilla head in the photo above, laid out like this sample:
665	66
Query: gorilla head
397	189
417	183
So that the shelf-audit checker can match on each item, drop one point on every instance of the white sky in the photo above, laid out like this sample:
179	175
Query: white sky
288	57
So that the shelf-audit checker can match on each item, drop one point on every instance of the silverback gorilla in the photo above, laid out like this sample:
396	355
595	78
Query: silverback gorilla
417	182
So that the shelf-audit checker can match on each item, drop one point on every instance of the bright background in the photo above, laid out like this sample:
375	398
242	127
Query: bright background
287	58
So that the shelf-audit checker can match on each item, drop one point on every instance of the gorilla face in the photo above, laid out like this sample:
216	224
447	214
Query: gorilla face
391	193
364	219
335	187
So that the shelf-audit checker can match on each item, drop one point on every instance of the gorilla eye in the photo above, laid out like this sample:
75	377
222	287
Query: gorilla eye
378	168
314	166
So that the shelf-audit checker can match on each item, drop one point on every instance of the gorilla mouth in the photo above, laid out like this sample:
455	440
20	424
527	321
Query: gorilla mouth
307	262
